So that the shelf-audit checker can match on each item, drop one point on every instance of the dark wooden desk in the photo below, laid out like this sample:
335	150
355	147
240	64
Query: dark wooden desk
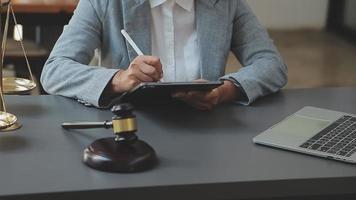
43	12
203	155
44	6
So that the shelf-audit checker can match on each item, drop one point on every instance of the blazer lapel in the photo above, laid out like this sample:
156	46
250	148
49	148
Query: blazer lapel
137	23
212	28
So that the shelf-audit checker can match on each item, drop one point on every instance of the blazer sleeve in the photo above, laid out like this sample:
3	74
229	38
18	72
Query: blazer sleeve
263	70
66	71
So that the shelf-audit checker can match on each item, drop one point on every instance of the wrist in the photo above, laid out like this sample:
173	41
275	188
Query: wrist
228	92
115	85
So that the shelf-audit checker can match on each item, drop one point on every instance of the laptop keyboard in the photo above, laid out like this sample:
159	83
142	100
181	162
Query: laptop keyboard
339	138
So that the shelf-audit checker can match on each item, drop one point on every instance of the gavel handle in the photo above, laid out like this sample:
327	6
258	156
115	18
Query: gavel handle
87	125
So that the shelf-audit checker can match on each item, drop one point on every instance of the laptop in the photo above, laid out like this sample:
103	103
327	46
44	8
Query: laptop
315	131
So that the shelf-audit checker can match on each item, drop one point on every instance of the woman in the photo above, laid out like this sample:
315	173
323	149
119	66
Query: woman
190	40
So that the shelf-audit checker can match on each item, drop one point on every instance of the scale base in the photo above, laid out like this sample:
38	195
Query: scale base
8	122
122	157
13	127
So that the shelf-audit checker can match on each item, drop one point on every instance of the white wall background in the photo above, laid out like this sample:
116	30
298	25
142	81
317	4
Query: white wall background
291	14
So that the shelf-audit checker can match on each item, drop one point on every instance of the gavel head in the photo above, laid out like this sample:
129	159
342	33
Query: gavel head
124	123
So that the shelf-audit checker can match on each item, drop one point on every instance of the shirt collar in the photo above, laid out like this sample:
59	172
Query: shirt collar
186	4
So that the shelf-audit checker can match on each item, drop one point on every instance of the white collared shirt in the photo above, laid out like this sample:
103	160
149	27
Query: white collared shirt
174	39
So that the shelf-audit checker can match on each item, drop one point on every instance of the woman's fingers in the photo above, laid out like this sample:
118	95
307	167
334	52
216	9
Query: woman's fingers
150	71
155	62
198	100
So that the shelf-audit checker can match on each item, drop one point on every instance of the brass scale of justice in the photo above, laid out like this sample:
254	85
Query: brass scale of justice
124	153
11	85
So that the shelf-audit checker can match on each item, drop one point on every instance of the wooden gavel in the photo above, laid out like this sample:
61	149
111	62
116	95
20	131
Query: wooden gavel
123	123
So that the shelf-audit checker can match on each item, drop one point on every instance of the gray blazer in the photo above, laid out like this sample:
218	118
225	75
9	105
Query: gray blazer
222	26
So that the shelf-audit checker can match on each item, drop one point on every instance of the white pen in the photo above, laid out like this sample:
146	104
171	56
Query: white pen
131	42
133	45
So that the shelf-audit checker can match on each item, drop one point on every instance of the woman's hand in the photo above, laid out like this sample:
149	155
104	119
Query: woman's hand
141	69
208	100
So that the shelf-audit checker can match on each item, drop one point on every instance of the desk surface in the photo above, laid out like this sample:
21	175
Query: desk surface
44	6
203	155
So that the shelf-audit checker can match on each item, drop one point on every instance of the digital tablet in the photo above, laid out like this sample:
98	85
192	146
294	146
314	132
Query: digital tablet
161	92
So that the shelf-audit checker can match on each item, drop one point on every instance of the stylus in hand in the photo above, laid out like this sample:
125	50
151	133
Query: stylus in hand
131	42
133	45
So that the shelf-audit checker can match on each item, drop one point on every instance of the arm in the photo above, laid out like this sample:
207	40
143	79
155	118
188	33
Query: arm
66	71
263	70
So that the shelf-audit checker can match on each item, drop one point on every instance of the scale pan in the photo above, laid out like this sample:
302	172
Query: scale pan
7	120
13	85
